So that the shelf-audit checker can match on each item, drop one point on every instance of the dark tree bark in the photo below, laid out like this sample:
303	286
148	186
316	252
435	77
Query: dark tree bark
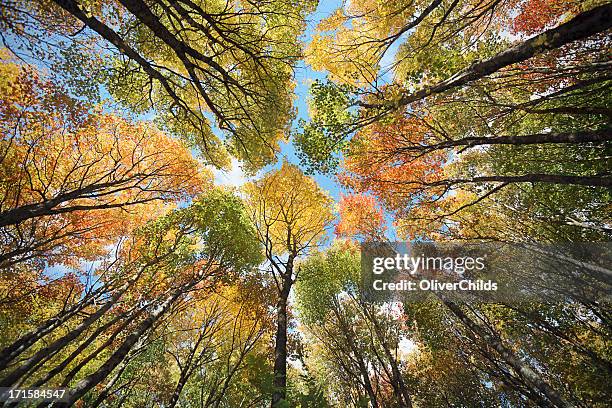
74	371
50	350
12	351
280	345
593	181
50	206
349	336
111	36
87	383
542	138
187	368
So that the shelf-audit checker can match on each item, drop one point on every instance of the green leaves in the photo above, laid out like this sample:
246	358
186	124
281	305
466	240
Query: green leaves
324	276
323	138
215	228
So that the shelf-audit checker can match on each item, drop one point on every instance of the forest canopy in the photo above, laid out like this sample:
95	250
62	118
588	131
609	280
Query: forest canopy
188	189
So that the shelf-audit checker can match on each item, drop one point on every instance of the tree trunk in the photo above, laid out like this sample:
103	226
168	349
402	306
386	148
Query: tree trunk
78	351
529	376
87	383
594	181
12	351
75	370
361	365
49	206
399	386
541	138
580	27
178	389
103	395
54	347
9	353
280	346
187	369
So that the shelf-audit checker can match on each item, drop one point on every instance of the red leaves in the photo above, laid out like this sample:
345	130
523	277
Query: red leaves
537	15
385	161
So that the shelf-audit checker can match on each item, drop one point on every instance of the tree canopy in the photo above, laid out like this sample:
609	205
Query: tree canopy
198	199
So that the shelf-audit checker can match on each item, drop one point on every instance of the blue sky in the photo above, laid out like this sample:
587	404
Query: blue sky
304	76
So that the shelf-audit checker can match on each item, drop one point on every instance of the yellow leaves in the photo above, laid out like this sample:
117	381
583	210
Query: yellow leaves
333	22
347	58
350	44
9	70
342	47
289	208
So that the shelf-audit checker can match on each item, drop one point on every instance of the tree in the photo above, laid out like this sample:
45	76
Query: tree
197	64
191	250
471	121
338	118
73	178
291	215
201	351
360	216
360	338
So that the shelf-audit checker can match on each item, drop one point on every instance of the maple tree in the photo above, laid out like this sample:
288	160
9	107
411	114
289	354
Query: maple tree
291	214
130	279
343	107
182	252
359	216
359	340
436	138
453	147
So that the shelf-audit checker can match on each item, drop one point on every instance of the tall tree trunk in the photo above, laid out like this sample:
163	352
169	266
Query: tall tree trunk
12	351
280	346
78	351
178	389
87	383
529	376
104	394
50	206
365	374
53	348
540	138
187	369
350	336
77	368
50	350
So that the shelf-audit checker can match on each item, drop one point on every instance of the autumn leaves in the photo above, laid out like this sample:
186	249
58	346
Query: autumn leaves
128	277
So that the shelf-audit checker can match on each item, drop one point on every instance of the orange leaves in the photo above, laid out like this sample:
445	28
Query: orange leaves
390	164
382	160
92	176
120	174
360	215
538	15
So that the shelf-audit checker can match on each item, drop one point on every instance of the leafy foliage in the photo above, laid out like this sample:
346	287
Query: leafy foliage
129	279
